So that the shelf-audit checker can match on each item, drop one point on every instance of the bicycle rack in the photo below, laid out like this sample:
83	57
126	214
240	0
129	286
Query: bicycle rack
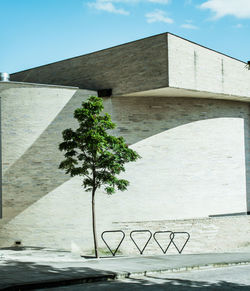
108	231
136	231
170	237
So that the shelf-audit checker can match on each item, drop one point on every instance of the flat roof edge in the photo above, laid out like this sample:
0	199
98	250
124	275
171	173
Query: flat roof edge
71	58
42	85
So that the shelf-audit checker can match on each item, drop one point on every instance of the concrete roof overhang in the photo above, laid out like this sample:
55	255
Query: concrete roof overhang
180	92
161	65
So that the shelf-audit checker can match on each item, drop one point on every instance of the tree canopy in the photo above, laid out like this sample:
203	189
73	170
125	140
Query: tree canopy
92	152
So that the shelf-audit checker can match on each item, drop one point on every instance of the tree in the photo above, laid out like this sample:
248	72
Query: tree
94	154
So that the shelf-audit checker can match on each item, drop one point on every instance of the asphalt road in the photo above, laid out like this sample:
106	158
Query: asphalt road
228	278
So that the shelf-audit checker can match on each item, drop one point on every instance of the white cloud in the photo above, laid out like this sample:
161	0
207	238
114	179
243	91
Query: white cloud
189	26
158	16
221	8
107	6
111	5
160	1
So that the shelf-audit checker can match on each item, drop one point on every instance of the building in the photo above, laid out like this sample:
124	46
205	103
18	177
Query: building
183	107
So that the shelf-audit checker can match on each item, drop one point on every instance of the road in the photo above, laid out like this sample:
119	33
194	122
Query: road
226	278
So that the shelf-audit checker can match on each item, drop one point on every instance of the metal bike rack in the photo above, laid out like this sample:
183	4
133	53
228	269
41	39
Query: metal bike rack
138	231
109	231
157	233
170	237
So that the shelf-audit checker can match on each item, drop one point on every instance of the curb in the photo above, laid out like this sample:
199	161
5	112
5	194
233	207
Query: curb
181	269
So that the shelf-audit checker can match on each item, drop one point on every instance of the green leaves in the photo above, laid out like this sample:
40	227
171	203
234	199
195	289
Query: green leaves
93	153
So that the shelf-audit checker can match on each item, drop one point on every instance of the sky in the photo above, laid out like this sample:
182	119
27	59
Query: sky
38	32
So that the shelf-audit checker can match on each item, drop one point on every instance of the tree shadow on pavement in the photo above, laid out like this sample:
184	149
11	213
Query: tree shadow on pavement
158	285
16	275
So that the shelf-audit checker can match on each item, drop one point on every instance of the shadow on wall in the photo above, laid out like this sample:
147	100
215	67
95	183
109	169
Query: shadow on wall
36	173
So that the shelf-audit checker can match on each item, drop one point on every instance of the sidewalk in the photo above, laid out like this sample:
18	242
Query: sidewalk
30	268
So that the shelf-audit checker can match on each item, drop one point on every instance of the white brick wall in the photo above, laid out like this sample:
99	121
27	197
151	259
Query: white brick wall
26	113
197	68
193	165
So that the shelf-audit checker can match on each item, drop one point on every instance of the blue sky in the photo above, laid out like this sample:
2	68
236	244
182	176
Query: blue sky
37	32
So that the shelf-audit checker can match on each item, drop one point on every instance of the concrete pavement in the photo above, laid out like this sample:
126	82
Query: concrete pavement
32	268
215	279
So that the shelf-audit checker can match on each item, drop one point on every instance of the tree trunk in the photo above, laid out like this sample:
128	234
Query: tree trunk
94	224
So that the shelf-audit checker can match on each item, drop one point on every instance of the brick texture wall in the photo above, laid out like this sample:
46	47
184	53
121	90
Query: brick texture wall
193	165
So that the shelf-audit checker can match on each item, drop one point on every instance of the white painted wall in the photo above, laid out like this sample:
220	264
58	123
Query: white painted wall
198	68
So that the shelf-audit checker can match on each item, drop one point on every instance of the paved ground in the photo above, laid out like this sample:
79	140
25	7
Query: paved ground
23	268
227	278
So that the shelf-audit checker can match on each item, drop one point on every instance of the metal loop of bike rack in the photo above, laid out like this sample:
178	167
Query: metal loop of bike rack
136	231
108	231
170	237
